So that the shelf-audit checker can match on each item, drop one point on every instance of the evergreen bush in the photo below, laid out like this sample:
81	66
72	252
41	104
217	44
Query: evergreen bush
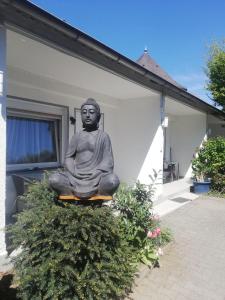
70	251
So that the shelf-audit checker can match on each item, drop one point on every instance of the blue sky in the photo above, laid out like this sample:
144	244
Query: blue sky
176	32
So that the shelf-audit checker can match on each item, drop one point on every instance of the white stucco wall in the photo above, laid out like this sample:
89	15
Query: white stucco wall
140	141
217	130
216	127
186	134
3	83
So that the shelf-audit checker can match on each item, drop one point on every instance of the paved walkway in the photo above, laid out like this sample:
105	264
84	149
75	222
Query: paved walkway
193	267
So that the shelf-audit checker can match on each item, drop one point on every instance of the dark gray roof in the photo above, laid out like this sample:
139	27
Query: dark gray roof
148	63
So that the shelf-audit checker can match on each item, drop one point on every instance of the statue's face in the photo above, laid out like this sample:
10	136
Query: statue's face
89	116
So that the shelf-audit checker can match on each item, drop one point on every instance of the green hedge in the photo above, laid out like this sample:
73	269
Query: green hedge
82	252
69	252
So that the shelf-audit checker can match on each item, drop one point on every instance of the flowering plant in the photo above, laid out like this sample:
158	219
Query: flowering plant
153	234
139	226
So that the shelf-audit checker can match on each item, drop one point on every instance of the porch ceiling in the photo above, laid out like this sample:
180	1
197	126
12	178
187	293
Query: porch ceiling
34	57
175	108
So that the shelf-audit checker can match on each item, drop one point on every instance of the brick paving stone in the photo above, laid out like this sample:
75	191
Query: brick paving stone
193	267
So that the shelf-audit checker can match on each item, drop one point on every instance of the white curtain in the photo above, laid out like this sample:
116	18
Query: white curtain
30	140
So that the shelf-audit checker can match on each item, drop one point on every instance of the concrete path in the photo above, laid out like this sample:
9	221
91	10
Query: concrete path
173	203
193	267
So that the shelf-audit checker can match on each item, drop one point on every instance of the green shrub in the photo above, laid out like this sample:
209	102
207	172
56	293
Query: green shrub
210	162
135	213
69	251
166	236
218	183
138	226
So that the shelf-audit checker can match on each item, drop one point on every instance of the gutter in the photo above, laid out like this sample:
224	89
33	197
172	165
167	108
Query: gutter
135	72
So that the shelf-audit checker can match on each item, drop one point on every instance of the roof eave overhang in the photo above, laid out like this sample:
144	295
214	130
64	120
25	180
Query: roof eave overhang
25	16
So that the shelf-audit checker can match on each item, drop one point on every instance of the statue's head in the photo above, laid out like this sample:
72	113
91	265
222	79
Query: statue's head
90	114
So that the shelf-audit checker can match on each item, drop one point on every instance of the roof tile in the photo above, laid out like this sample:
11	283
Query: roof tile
148	63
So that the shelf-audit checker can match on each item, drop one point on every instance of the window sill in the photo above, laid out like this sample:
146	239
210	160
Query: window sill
32	173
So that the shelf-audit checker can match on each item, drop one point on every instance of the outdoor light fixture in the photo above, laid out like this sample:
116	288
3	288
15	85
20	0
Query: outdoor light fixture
165	122
72	120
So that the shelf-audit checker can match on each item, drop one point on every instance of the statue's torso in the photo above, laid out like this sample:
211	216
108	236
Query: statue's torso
86	146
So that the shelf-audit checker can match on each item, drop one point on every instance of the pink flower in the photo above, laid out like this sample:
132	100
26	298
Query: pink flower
154	234
158	231
149	234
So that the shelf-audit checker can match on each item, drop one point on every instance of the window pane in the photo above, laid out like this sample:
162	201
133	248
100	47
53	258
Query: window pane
30	140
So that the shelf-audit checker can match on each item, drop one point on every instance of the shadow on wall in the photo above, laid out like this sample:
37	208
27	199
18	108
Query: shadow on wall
139	154
2	107
2	130
187	134
216	130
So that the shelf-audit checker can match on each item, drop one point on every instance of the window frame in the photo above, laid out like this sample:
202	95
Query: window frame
45	111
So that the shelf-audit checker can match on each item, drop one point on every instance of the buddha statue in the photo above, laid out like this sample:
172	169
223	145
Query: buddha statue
88	161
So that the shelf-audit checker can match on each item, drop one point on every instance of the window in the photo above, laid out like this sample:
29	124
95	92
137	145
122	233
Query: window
31	140
34	139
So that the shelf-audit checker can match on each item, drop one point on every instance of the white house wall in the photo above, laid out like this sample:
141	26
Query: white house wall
3	84
216	127
217	130
58	93
186	134
140	141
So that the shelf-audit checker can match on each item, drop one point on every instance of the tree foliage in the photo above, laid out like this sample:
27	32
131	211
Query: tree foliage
216	73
